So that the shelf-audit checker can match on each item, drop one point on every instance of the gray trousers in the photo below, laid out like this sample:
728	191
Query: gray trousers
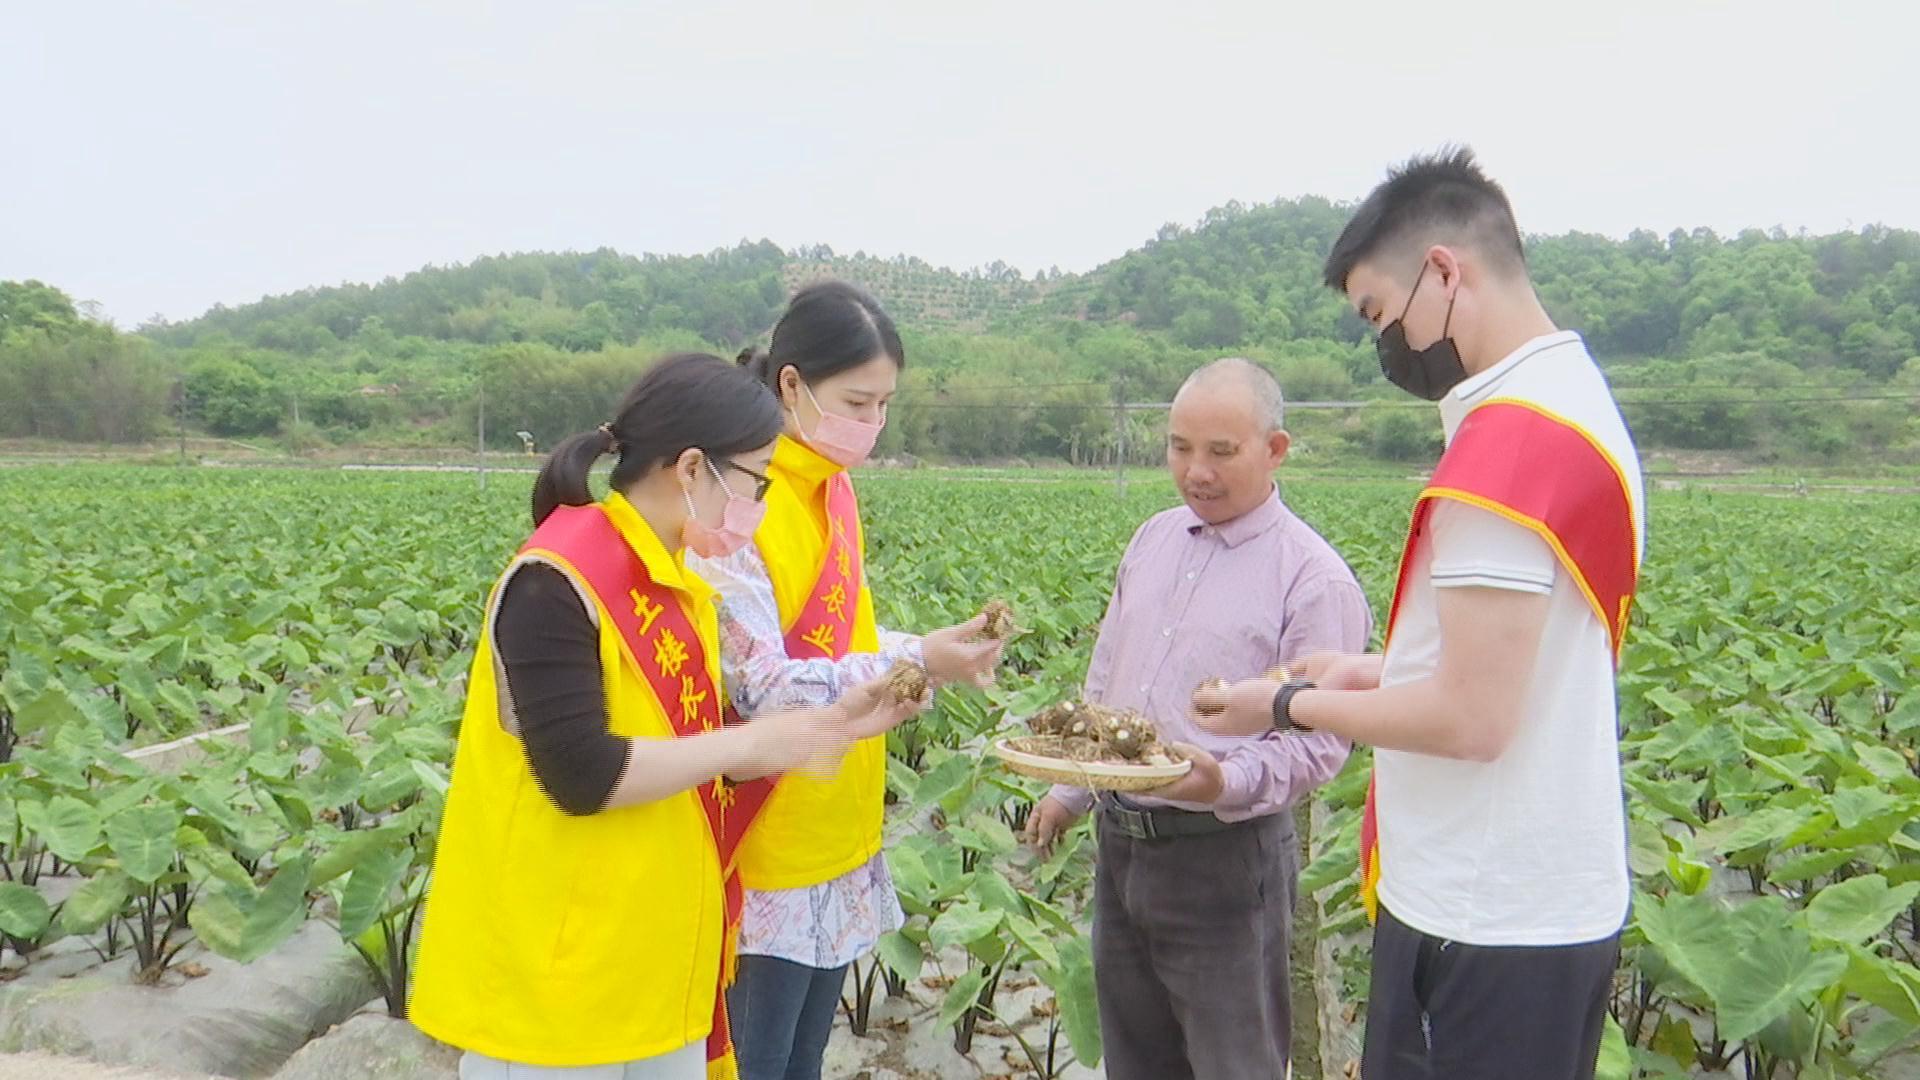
1191	937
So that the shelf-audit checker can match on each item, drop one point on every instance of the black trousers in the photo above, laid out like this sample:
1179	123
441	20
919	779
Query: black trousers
1440	1010
1190	951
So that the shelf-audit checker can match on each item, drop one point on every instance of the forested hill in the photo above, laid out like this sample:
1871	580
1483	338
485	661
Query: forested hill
1782	345
1242	276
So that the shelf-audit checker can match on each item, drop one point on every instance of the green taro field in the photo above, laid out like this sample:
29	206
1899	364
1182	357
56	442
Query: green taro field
1770	741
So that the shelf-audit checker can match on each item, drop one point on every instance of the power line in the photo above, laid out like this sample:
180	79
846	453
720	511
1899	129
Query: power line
1387	403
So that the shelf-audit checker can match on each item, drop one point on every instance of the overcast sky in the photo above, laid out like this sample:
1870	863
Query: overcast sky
159	158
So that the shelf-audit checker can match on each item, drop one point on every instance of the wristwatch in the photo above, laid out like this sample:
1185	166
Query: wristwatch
1283	707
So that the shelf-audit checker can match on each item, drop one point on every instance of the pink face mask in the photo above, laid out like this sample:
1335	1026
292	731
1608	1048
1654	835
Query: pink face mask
737	523
840	439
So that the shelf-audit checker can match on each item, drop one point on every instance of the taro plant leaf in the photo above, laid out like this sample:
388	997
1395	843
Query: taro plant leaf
246	927
963	924
1691	933
1884	763
910	871
1858	909
71	828
211	860
1889	985
1615	1063
52	709
431	777
944	779
364	899
1690	875
1854	805
1073	992
280	907
343	852
901	779
124	796
961	996
994	837
142	838
180	702
1029	934
23	912
993	892
1809	866
1673	1036
1731	833
201	798
219	920
97	900
1873	1046
1772	971
1338	862
901	955
389	785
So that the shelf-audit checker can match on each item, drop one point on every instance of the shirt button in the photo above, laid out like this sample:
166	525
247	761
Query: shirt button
1190	575
1168	632
1145	687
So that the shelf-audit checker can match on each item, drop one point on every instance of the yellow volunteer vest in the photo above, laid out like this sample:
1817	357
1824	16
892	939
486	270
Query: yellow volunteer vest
566	941
812	829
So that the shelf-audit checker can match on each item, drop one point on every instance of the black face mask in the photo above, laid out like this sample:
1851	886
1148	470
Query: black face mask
1427	373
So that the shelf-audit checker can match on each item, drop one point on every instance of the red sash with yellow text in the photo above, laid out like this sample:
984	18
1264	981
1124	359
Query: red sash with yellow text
824	627
659	640
1544	472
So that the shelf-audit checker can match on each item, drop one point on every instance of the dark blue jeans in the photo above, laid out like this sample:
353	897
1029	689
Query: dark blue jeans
781	1013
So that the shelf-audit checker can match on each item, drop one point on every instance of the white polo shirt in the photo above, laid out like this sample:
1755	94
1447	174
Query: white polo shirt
1530	849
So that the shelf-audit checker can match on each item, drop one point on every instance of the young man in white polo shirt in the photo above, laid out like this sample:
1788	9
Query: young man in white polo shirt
1495	835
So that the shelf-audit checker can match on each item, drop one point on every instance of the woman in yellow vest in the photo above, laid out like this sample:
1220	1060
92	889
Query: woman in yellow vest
577	922
797	628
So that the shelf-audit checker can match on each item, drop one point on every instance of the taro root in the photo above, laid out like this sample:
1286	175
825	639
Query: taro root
1210	684
1056	719
1087	732
1124	733
908	681
999	616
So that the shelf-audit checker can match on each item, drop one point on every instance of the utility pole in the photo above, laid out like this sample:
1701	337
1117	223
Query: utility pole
480	449
1120	440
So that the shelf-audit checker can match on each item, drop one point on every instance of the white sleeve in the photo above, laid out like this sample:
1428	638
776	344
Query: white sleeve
1473	547
760	676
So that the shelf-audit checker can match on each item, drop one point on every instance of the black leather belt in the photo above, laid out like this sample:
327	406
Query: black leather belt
1158	822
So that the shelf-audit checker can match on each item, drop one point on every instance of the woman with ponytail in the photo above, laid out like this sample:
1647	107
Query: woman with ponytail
583	910
797	628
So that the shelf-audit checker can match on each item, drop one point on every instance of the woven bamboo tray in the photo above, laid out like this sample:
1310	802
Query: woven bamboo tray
1039	756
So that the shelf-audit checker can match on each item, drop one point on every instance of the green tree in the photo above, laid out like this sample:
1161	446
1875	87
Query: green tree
232	398
34	305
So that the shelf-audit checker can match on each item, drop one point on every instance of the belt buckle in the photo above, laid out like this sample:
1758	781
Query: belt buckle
1137	824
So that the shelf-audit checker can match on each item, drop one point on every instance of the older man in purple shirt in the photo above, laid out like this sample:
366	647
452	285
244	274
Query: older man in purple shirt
1195	886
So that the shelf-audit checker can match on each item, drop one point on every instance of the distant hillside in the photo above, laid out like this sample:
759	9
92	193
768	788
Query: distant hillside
588	301
919	294
1244	275
1788	347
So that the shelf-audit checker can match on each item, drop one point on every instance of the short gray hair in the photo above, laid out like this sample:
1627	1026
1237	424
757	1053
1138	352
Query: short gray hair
1269	404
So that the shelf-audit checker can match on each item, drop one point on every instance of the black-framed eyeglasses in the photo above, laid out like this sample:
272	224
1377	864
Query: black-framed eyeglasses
761	482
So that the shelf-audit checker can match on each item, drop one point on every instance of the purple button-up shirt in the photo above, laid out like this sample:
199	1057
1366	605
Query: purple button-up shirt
1197	601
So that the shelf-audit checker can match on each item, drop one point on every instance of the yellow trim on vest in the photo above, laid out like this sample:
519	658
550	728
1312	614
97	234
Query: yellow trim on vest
1619	473
1533	525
